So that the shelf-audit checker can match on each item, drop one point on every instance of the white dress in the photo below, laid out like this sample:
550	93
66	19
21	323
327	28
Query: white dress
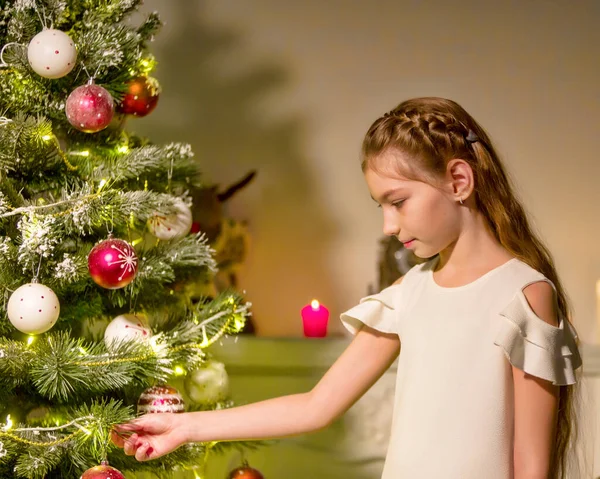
453	410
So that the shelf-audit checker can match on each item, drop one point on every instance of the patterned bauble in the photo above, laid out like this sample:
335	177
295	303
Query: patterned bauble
173	226
33	308
141	97
103	471
90	108
112	263
245	472
127	327
51	53
208	384
161	398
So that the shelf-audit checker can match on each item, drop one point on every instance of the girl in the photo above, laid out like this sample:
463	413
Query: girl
487	352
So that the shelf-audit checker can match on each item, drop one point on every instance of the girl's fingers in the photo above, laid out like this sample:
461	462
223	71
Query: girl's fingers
143	452
134	425
130	445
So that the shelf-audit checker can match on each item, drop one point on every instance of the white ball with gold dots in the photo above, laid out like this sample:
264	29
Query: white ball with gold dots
52	53
33	308
127	327
173	226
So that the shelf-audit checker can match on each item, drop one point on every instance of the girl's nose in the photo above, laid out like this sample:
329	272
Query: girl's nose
390	227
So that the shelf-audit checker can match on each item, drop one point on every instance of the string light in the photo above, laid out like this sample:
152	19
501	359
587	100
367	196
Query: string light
179	371
123	149
9	423
80	153
39	444
15	437
30	340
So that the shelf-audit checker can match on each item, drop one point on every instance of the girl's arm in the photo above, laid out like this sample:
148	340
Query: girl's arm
536	401
366	358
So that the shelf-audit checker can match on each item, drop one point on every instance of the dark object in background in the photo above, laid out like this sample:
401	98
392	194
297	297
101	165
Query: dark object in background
394	261
227	236
207	209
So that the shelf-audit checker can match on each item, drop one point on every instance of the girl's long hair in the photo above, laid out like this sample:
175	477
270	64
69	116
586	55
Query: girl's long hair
431	131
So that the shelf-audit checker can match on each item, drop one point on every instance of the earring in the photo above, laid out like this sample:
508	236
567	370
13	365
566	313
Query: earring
461	201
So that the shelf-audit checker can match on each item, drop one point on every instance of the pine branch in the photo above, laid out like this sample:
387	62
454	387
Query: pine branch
15	359
65	368
149	28
26	147
152	163
106	48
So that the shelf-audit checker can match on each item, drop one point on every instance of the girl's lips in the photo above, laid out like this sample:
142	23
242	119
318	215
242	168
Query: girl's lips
408	243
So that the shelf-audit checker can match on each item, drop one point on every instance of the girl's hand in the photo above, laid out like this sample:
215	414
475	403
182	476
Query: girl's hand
150	436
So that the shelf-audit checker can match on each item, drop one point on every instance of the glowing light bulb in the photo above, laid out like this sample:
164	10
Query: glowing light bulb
9	423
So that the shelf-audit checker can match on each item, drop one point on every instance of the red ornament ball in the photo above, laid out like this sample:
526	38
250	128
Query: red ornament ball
90	108
161	398
112	263
141	97
103	471
245	472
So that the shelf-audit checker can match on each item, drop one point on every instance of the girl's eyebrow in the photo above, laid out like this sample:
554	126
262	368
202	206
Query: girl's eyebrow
387	194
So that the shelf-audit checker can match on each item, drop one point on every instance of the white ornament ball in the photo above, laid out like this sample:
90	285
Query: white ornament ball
33	308
52	53
127	327
208	384
173	226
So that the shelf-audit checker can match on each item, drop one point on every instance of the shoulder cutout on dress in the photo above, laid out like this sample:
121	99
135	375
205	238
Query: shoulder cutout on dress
535	346
376	311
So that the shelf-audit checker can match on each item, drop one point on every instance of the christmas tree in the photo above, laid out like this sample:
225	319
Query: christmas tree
95	248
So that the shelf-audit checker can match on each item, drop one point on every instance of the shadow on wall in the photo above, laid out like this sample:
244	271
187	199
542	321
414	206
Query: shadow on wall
221	116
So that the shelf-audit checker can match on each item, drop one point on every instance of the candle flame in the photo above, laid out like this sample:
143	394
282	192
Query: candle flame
314	304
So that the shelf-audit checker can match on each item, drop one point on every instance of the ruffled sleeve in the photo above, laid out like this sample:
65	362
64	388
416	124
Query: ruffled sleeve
536	347
376	311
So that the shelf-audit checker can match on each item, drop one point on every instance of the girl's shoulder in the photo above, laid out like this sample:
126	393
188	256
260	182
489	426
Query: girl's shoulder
529	342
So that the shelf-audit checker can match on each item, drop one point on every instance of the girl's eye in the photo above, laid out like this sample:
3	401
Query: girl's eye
395	204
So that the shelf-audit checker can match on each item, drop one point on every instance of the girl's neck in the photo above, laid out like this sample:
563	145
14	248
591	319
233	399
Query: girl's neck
475	250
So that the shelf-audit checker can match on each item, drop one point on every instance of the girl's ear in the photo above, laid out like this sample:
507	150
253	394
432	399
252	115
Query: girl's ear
459	176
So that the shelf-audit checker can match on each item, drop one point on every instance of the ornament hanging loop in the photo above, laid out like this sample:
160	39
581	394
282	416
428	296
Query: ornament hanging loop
110	226
44	20
3	63
170	176
36	274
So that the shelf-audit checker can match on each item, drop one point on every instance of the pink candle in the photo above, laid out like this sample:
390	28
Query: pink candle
315	317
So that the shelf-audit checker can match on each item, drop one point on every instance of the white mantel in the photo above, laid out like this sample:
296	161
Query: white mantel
354	446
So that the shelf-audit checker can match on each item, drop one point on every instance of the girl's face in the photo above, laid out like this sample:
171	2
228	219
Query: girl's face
425	218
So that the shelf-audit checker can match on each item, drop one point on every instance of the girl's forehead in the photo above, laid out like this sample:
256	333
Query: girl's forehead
394	164
383	176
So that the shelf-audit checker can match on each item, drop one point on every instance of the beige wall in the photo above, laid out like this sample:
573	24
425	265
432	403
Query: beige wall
289	88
